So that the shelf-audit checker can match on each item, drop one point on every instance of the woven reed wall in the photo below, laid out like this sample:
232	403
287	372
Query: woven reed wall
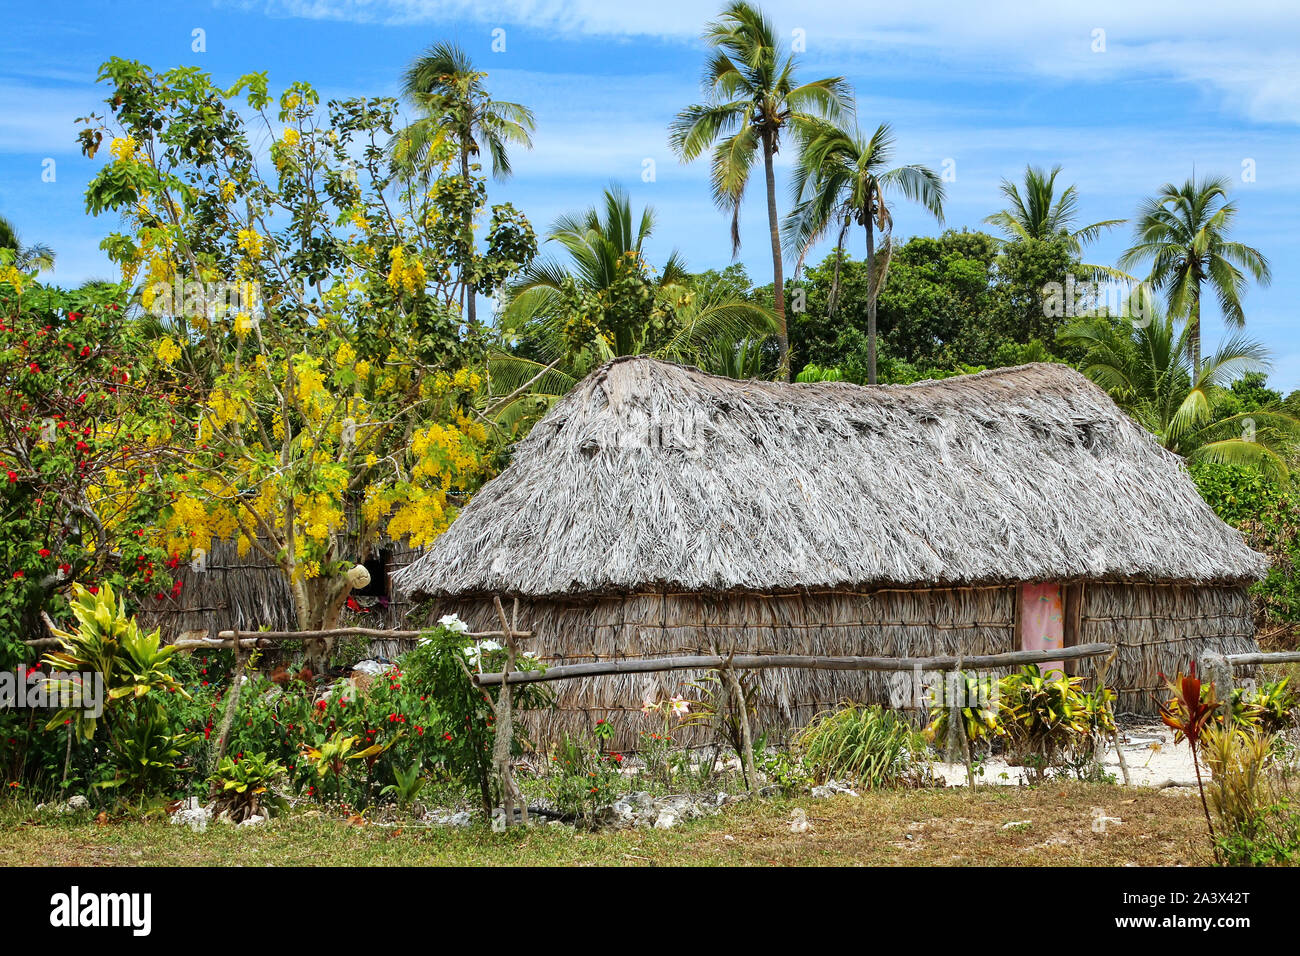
1162	630
1159	629
249	593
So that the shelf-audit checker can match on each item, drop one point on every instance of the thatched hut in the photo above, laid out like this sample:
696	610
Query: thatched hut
659	510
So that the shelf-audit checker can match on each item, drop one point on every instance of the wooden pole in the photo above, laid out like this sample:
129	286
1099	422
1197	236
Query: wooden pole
1100	667
504	731
228	718
746	736
773	661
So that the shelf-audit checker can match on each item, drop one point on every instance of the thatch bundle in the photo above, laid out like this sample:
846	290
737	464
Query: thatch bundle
657	509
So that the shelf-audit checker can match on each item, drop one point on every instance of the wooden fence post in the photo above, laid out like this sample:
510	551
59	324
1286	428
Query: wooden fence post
504	734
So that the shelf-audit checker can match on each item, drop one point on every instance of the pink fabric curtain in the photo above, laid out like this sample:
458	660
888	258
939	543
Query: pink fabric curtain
1042	621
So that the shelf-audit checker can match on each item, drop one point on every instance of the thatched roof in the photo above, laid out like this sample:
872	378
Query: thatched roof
650	475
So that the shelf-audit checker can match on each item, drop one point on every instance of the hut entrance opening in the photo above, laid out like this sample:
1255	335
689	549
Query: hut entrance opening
1042	621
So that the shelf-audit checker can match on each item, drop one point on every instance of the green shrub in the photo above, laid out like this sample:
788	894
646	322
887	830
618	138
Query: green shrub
581	781
244	784
1267	511
868	744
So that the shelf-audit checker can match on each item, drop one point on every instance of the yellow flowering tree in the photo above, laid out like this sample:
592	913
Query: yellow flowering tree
307	320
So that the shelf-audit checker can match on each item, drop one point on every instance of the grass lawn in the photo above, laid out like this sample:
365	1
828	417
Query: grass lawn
946	827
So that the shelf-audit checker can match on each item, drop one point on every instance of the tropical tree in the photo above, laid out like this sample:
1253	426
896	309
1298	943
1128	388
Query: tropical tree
844	179
37	256
1183	233
1146	368
1041	214
604	300
752	97
452	104
324	388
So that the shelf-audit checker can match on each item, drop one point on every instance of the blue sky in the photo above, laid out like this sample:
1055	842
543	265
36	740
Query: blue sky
984	87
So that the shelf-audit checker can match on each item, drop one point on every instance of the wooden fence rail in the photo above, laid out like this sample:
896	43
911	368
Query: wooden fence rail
770	661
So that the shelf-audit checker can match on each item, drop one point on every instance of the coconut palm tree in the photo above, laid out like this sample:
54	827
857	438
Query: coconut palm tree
1183	233
602	301
25	258
752	97
844	179
1146	368
452	104
1040	213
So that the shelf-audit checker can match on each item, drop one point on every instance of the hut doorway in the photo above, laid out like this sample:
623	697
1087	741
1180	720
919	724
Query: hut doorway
1042	621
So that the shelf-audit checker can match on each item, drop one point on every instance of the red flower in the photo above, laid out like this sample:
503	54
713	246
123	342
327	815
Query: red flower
322	704
18	574
13	476
44	552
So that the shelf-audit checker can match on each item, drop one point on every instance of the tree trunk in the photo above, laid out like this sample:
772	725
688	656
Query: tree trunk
871	305
466	285
778	276
1194	336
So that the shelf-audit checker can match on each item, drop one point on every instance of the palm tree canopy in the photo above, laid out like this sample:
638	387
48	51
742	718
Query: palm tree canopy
1041	213
25	258
1147	370
1183	232
843	178
752	95
452	101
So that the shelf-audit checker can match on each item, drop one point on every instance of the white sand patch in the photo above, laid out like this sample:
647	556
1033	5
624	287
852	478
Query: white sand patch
1149	751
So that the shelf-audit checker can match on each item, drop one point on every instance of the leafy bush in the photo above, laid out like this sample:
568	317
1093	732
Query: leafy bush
1257	824
244	785
1272	707
1049	721
869	744
1267	511
581	780
145	752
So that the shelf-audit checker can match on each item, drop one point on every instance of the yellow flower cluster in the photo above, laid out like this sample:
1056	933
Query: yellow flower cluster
404	273
250	242
168	351
291	137
14	277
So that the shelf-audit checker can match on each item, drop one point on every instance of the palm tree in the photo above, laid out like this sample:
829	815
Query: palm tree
635	310
751	98
1041	214
1183	231
844	179
1145	368
25	258
453	104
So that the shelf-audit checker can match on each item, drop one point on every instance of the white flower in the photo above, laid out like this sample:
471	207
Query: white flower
648	706
679	706
453	623
489	645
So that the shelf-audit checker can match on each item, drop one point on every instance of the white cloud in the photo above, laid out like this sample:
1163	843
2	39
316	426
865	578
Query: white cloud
1242	51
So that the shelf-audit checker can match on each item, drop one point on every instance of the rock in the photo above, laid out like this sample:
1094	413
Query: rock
369	667
498	823
666	820
1017	824
799	821
253	821
461	819
75	804
1100	821
196	818
832	787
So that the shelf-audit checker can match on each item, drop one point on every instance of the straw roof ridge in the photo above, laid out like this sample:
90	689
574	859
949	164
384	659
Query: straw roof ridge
652	475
